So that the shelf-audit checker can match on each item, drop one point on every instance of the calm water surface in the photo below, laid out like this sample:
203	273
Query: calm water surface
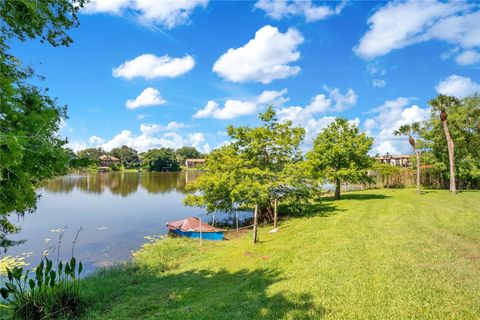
117	211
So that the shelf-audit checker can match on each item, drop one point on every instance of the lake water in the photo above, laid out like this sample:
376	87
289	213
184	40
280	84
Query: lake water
118	212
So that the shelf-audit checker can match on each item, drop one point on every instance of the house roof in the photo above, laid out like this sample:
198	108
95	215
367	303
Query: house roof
400	156
195	160
108	158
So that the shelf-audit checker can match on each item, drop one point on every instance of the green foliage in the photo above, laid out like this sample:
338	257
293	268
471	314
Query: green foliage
260	165
340	154
386	171
409	130
116	167
163	159
76	162
30	149
184	153
47	294
463	124
91	155
128	156
444	103
47	20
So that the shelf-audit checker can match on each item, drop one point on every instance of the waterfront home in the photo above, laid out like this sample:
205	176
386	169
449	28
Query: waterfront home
397	161
194	163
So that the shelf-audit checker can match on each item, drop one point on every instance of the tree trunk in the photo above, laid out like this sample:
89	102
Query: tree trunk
451	156
337	189
255	219
417	154
265	213
275	214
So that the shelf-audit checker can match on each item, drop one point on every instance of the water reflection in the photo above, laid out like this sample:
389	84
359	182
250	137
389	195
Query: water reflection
123	184
117	211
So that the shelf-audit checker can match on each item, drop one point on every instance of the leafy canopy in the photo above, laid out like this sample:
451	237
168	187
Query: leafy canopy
128	156
340	153
254	169
163	159
464	127
186	152
30	149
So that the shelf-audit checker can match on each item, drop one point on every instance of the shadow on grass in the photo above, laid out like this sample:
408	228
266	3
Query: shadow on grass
133	293
357	196
321	209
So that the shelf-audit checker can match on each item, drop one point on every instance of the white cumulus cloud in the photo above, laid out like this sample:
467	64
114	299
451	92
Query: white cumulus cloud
232	109
196	139
149	129
400	24
236	108
95	141
273	97
468	57
148	97
320	104
115	7
285	9
168	14
457	86
153	136
263	59
149	66
389	117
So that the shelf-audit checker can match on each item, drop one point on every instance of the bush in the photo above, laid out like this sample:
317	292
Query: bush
117	167
48	294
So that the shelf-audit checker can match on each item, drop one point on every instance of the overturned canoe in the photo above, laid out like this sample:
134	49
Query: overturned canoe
191	227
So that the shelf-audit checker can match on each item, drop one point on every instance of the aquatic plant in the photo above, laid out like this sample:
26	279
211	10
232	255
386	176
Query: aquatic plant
44	293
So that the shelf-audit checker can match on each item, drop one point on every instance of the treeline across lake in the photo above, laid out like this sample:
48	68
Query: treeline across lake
125	157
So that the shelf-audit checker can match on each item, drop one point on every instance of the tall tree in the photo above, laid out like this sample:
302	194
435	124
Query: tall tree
254	170
410	130
340	154
444	104
184	153
91	154
30	149
163	159
128	156
463	126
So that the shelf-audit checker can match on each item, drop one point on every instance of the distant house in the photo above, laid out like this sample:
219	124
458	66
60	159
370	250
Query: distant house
397	161
107	161
194	163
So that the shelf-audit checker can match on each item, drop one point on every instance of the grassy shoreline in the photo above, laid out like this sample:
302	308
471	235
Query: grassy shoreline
374	254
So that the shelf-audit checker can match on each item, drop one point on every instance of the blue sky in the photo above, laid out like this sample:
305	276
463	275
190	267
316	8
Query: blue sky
161	73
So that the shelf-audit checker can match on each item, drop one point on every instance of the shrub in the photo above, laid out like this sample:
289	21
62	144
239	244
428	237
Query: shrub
47	294
116	167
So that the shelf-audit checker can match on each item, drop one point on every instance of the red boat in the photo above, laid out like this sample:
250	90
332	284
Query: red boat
192	227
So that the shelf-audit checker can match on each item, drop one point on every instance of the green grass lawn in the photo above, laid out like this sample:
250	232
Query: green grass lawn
377	254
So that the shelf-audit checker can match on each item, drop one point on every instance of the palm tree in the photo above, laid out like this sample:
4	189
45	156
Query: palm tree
443	103
409	130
